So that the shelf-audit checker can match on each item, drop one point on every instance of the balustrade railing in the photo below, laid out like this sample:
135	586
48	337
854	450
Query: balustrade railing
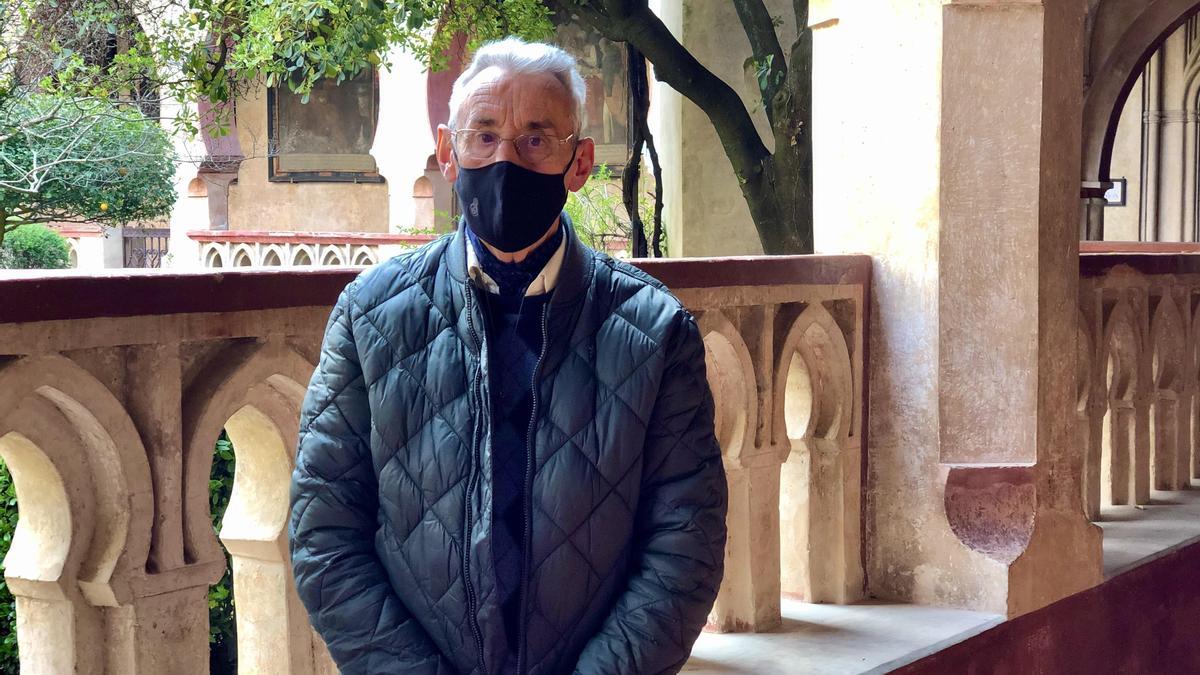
115	387
1138	368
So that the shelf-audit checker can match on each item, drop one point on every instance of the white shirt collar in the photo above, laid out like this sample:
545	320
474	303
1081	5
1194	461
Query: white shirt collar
542	283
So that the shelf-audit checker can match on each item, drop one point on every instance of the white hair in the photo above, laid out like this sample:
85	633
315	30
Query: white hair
514	55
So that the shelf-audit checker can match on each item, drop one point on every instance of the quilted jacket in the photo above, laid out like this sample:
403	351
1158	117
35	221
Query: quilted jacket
391	496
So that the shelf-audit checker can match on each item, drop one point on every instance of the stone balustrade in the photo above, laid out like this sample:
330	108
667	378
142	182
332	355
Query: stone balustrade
253	248
115	387
1138	365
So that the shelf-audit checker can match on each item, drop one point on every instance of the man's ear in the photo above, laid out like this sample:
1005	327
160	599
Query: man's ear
445	157
581	169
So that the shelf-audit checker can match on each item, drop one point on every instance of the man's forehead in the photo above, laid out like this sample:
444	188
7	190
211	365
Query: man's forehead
535	100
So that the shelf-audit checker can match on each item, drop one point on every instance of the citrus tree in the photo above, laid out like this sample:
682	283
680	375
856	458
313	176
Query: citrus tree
70	159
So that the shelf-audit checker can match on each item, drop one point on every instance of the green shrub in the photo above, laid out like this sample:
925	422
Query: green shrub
598	212
8	607
32	247
222	627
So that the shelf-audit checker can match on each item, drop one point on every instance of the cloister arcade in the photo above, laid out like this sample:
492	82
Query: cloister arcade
956	407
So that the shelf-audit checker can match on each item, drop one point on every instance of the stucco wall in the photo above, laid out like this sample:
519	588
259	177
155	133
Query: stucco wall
1121	222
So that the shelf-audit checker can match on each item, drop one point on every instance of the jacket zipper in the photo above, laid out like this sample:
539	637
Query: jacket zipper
472	601
528	506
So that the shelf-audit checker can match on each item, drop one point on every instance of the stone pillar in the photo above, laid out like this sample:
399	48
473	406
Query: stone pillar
1169	156
1152	133
1166	430
1116	485
975	471
1139	457
165	627
162	632
1089	427
1092	223
749	597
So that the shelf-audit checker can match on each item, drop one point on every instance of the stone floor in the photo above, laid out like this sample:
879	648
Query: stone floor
1137	534
878	637
867	637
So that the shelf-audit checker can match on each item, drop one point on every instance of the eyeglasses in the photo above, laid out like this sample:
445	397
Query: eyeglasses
476	147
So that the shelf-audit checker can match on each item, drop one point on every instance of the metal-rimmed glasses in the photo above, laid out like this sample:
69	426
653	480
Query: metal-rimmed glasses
477	147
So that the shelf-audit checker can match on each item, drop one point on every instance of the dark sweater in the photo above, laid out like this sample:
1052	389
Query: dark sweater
514	341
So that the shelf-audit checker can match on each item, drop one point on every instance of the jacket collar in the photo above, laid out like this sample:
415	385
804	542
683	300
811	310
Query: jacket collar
542	283
573	273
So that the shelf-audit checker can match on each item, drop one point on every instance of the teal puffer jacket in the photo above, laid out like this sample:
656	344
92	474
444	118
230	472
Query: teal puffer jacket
391	517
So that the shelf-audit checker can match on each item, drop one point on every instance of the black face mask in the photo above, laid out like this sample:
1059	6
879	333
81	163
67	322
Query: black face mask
509	206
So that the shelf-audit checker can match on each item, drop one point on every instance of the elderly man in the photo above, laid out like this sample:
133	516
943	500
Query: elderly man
507	461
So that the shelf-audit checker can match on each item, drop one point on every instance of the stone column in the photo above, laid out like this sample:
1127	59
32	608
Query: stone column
972	214
1152	132
749	597
1092	220
1089	425
164	629
1139	458
740	372
1170	154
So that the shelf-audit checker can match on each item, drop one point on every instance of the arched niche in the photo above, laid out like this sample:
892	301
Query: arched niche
85	500
332	257
1121	359
214	258
302	256
273	257
820	481
243	256
731	379
1124	36
1169	425
364	256
253	392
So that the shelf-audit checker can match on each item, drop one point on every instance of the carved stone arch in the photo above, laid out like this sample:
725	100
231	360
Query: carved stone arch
214	256
1090	404
1124	460
303	255
274	255
1170	425
731	378
254	392
820	481
1167	346
814	390
209	402
1124	36
332	256
363	255
244	256
115	456
84	488
1193	352
1121	351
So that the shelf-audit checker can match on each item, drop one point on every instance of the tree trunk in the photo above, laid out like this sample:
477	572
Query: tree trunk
777	188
